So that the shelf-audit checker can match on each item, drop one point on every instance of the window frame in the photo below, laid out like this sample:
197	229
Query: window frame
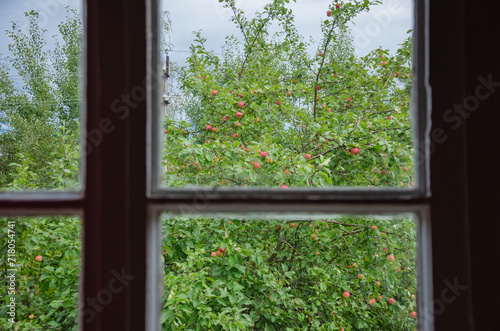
119	209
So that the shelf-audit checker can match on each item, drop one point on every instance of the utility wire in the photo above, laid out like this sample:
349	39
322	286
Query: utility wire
39	102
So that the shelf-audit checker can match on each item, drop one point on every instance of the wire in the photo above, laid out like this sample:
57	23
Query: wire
39	102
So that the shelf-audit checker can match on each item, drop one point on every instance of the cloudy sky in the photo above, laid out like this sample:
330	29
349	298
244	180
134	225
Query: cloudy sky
385	25
51	14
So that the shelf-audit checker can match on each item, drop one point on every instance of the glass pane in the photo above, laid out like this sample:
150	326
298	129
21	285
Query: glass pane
328	273
40	94
287	94
41	260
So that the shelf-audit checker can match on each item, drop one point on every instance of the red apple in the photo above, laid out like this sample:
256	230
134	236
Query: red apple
220	248
263	154
278	103
337	6
214	129
214	92
31	316
355	265
269	160
318	87
235	135
377	283
379	298
374	227
256	165
320	54
238	124
348	99
372	301
287	172
391	301
225	118
384	63
240	95
213	254
405	168
346	294
361	276
389	117
413	314
293	224
307	156
328	13
355	151
241	104
284	186
257	120
254	91
239	114
242	146
390	257
38	258
348	266
247	149
288	93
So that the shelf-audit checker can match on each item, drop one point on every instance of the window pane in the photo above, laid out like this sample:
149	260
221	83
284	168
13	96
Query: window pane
42	263
351	272
250	100
40	95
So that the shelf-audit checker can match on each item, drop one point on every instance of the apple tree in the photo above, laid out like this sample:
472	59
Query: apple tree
268	113
305	274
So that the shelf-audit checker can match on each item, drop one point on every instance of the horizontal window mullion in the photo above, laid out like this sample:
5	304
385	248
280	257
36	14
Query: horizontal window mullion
290	194
208	206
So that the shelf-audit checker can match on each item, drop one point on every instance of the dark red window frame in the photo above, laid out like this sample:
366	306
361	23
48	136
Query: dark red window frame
464	47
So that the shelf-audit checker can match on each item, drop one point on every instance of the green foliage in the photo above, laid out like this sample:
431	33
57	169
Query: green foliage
269	275
48	289
292	103
288	275
41	114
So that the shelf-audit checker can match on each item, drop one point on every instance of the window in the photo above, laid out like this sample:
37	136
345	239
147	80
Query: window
121	232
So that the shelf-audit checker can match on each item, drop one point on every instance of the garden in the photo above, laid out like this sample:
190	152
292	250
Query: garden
267	113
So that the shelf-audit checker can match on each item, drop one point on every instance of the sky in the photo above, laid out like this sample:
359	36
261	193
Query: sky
384	26
52	12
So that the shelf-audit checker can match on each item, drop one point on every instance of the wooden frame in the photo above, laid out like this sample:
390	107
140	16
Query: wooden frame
120	234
